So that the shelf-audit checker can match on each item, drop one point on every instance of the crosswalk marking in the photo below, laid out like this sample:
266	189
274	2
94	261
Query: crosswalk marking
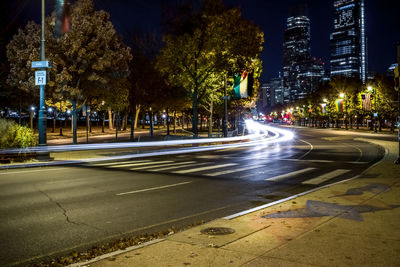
325	177
290	174
177	167
234	170
115	163
206	168
153	188
141	164
156	165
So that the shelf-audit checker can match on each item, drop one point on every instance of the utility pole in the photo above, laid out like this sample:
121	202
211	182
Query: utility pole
398	101
42	107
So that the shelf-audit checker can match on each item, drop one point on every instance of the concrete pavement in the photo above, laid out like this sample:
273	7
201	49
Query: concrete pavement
352	223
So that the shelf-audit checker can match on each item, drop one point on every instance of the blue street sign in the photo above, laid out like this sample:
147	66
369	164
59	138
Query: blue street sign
375	114
40	64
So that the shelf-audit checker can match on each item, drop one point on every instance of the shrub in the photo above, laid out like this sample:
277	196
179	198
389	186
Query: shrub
13	135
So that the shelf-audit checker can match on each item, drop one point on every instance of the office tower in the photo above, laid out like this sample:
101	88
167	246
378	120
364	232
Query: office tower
348	42
301	72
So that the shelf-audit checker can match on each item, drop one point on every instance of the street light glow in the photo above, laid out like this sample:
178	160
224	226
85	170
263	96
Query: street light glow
341	95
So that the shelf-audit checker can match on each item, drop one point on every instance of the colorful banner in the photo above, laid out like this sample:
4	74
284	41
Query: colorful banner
339	105
366	102
240	85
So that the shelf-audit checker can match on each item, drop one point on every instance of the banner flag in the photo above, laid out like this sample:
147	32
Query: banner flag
339	105
240	85
366	102
62	18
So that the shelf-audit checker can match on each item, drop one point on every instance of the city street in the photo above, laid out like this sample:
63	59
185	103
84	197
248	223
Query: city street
49	212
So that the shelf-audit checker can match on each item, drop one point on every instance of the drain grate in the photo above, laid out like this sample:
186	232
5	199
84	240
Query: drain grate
217	231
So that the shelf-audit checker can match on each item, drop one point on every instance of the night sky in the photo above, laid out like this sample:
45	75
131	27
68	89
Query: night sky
382	25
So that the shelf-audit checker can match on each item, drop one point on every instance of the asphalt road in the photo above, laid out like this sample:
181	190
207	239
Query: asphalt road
53	211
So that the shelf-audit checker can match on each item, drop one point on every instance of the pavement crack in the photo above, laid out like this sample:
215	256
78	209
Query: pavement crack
64	211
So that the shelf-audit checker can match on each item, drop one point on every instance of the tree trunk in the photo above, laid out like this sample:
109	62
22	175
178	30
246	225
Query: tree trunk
104	122
183	120
31	119
210	119
133	123
137	114
125	121
54	121
195	114
174	121
110	119
167	121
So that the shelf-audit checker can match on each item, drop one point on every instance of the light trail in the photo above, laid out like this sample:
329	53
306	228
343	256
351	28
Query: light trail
259	134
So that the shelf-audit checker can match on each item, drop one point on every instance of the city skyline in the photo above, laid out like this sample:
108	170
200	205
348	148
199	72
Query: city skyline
271	17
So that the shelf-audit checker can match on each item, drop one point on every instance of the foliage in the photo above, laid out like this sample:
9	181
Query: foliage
205	48
88	62
13	135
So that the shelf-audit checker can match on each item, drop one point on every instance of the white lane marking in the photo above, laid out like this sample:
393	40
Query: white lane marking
44	169
234	170
141	164
116	163
325	177
177	167
206	168
308	152
290	174
310	160
155	166
153	188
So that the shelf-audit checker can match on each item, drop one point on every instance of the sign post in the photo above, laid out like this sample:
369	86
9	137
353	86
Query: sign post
40	79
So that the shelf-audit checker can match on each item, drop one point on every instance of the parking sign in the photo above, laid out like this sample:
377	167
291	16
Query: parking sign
40	77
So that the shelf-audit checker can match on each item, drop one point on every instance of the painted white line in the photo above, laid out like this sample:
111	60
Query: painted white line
115	163
40	170
206	168
310	160
156	166
233	216
325	177
153	188
177	167
311	148
141	164
290	174
234	170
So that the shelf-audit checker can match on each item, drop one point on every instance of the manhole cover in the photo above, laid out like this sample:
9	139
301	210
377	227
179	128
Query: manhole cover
217	231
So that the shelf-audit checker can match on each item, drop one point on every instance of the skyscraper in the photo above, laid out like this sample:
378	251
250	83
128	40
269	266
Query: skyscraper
348	42
301	72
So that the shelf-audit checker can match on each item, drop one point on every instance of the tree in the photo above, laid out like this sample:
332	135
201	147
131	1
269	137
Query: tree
213	42
89	62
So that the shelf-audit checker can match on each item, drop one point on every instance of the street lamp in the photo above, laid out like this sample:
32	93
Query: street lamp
374	113
344	97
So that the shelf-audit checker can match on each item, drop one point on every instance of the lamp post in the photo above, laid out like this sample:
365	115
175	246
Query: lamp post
325	101
398	103
42	108
374	113
343	96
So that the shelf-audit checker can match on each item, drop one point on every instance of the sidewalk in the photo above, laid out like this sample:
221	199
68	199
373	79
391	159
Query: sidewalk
353	223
